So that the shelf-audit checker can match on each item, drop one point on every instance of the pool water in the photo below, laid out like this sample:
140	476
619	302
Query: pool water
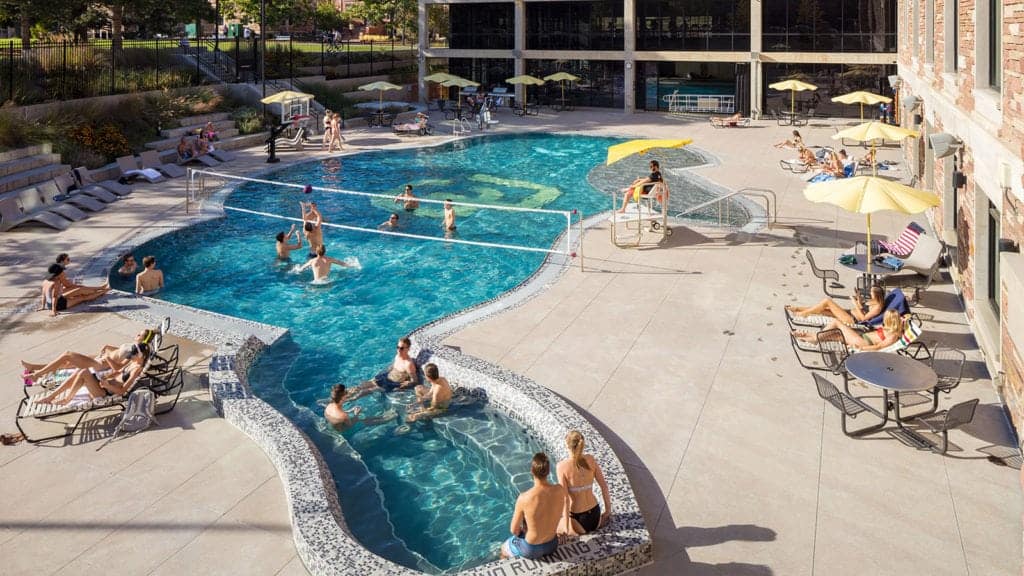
436	496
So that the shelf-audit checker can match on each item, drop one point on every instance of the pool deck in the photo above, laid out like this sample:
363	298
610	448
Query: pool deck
678	354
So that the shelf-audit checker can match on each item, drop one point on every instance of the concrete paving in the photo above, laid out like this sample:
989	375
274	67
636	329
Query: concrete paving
678	352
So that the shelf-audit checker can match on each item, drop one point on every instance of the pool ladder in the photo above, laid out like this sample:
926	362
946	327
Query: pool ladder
770	204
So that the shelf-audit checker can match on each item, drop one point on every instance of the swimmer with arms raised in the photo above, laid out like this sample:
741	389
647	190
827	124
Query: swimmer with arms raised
321	264
312	225
284	249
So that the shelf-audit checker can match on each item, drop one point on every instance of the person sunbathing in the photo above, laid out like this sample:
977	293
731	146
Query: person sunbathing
730	120
880	338
861	311
797	142
112	357
102	382
808	157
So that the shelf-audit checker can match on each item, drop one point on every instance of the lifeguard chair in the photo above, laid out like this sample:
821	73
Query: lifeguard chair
647	214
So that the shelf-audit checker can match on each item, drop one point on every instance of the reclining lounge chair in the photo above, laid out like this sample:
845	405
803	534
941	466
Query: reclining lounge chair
51	196
35	199
12	215
151	159
130	169
68	186
86	182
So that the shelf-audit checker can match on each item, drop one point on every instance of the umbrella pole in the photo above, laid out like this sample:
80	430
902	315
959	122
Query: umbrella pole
792	101
861	111
869	244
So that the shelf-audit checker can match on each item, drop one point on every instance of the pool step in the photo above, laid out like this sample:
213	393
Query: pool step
500	443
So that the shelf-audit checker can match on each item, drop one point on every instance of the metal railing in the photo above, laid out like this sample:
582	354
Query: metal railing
770	204
715	103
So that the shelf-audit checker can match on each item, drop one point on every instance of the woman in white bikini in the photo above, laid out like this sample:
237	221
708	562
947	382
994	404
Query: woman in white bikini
578	473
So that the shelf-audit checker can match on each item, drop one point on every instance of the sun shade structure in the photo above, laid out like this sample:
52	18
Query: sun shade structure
380	87
439	77
869	194
525	80
286	96
793	86
620	151
562	78
870	131
461	83
862	97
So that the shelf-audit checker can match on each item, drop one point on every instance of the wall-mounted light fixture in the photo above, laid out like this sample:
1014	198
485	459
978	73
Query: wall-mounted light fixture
629	65
1005	175
943	144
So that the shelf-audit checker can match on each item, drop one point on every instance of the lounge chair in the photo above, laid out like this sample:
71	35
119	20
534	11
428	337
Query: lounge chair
130	169
795	165
734	121
296	142
151	159
34	199
204	159
412	128
909	341
12	215
896	300
925	261
904	245
86	181
51	196
68	186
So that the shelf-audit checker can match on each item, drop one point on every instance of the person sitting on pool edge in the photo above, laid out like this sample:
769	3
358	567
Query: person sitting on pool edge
402	374
56	298
578	474
642	186
283	248
435	399
409	202
150	280
535	519
321	264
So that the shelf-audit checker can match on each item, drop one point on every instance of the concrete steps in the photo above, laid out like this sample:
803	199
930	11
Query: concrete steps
203	119
245	141
219	125
30	177
8	155
170	143
28	163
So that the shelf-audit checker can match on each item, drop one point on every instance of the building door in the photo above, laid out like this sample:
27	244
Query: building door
743	89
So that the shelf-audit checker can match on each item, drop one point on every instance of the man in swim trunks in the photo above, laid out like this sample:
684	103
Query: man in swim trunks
407	199
390	224
402	373
646	182
435	399
283	248
321	264
335	413
312	226
150	280
536	515
449	215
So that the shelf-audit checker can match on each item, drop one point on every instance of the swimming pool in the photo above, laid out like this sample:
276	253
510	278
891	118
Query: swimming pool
438	496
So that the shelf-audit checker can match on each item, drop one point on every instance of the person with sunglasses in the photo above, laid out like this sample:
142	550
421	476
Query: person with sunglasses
128	265
402	374
102	382
110	357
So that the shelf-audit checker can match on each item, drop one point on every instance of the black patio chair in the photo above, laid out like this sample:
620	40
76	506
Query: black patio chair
824	274
834	351
165	385
848	406
948	363
941	423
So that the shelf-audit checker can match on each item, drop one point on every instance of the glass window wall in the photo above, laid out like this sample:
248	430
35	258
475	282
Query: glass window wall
489	72
482	26
829	26
574	25
601	82
693	25
832	80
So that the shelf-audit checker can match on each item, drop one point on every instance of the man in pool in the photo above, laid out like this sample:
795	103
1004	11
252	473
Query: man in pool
334	412
312	226
409	202
435	399
321	264
150	280
449	215
536	516
390	224
402	374
283	248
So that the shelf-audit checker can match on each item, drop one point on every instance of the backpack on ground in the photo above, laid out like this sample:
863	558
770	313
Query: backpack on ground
138	414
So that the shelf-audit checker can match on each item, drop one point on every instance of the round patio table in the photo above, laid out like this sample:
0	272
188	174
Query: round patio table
861	266
892	373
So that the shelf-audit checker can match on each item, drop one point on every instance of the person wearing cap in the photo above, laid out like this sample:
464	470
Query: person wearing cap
55	297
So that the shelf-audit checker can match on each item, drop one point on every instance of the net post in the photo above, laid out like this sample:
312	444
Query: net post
581	243
188	188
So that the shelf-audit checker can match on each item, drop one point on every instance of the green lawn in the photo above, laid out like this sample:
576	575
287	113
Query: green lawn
227	44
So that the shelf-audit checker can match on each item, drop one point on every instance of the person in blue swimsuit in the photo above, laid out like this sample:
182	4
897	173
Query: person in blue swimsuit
535	520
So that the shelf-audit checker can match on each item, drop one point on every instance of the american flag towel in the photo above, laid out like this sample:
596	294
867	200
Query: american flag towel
903	245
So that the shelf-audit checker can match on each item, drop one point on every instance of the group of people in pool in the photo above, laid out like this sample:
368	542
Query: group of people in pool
149	281
313	230
410	203
544	515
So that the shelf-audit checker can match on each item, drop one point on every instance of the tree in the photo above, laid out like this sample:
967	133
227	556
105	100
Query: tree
278	11
25	13
328	17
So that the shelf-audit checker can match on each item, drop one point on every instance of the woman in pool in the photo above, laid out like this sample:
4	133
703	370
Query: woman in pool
882	337
113	357
101	382
578	473
861	311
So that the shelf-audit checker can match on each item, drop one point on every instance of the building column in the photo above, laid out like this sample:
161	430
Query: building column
755	60
629	55
424	43
519	31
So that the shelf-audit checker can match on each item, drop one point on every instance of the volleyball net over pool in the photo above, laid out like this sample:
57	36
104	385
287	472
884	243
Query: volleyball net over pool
198	187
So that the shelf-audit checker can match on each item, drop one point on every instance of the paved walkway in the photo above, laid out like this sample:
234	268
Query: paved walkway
678	353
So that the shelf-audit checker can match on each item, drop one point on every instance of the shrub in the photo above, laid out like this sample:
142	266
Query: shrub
247	120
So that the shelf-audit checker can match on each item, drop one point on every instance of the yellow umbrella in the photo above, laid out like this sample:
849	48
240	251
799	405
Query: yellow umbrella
380	87
620	151
525	80
868	194
286	96
869	131
461	83
439	77
793	86
862	97
562	78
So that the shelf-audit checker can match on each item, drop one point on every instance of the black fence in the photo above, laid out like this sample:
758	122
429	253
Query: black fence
68	70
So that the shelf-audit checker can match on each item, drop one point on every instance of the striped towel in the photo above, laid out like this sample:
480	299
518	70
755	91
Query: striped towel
906	242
